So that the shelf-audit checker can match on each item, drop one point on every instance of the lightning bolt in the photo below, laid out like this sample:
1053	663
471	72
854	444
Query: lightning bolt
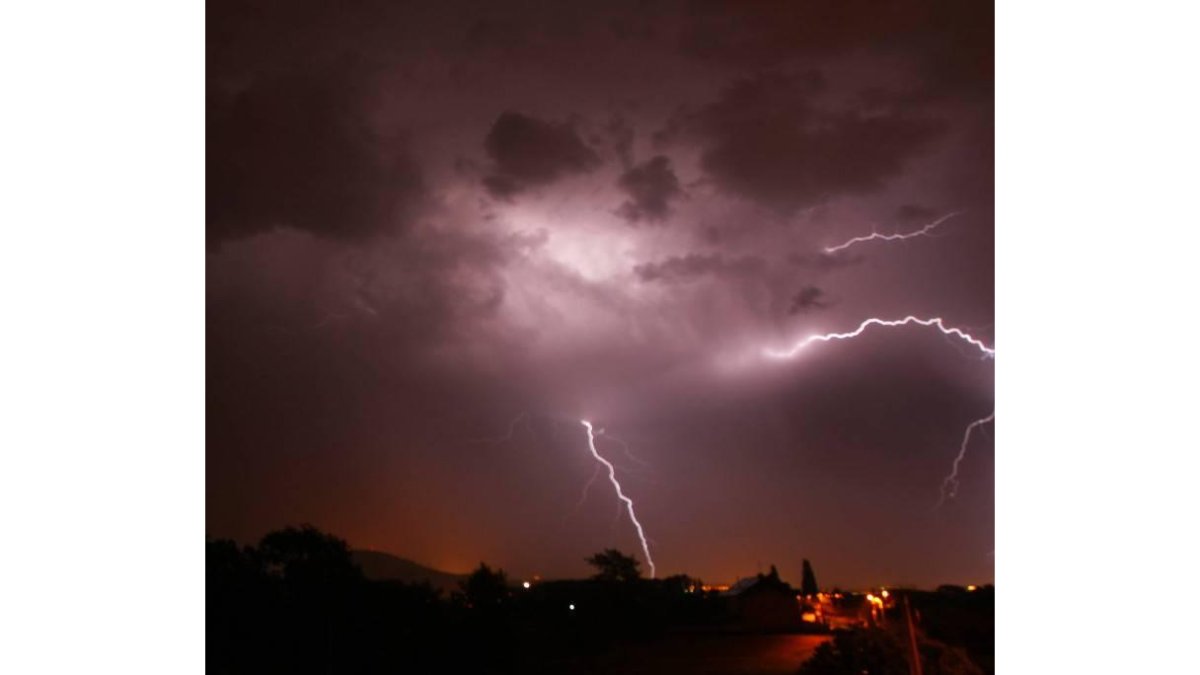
612	477
924	231
950	483
584	495
935	322
625	447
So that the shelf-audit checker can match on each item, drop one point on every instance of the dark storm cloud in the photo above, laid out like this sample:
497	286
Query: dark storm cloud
694	266
914	213
352	313
621	133
651	186
530	152
809	298
951	42
345	367
294	149
824	262
765	140
766	34
291	139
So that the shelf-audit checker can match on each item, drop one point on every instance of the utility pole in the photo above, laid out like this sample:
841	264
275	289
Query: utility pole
914	656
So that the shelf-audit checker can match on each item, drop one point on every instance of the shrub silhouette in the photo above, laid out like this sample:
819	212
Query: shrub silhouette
612	565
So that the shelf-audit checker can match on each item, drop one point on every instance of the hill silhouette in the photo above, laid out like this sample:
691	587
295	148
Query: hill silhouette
380	566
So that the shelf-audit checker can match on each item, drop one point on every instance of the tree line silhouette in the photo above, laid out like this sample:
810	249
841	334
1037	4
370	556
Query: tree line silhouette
297	603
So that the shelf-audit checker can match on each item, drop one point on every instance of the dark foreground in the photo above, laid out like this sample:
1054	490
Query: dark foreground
298	603
709	654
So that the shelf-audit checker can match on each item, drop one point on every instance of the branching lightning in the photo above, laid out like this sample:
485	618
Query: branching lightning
924	231
612	477
936	322
584	495
624	447
950	483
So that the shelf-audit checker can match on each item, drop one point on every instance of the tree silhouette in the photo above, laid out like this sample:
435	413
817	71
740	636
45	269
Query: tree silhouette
306	556
612	565
808	584
313	587
681	583
485	589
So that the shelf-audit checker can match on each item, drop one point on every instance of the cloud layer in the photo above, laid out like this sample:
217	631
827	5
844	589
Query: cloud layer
767	140
426	220
651	186
529	152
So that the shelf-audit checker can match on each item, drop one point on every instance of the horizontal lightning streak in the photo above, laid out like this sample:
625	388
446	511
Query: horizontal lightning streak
612	477
892	237
828	337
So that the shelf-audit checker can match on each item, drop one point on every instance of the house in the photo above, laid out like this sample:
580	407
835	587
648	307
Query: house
764	602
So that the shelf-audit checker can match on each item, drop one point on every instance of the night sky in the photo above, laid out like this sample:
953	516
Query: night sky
441	234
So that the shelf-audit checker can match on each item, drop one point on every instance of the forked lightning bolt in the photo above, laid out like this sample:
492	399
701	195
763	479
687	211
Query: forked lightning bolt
612	477
624	446
924	231
950	483
935	322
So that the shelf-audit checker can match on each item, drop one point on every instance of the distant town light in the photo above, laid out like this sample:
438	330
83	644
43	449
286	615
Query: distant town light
526	584
884	593
971	587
